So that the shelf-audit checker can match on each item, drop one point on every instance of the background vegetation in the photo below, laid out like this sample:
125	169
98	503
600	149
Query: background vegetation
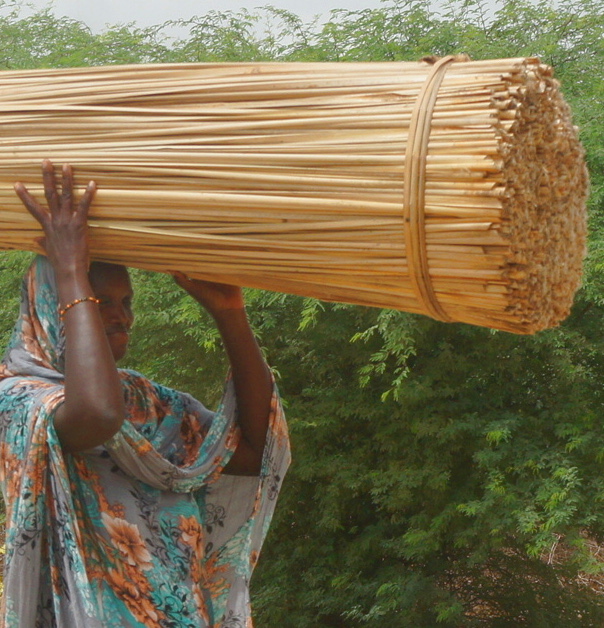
443	475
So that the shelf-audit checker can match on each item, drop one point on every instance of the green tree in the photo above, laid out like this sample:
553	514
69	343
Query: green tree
42	40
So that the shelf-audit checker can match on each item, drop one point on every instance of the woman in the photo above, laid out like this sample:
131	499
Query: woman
128	503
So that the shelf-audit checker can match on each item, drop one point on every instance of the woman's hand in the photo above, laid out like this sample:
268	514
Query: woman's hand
216	298
64	222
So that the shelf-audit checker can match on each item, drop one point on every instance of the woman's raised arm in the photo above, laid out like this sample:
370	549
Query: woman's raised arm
93	409
251	375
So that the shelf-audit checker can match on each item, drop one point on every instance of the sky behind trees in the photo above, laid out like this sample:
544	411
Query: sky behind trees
98	15
150	12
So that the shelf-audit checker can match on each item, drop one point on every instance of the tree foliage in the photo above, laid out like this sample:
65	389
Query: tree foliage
434	465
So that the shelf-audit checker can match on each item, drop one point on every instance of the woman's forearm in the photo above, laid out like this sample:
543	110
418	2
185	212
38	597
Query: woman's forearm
251	377
93	409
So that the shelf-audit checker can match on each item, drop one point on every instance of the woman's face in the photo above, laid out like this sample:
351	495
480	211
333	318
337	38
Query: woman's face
111	284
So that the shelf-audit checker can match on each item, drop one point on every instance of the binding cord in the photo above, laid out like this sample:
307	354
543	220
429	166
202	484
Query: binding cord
415	186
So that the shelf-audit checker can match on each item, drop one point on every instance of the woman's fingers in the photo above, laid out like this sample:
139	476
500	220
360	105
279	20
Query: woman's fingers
67	190
32	206
50	186
179	277
57	204
86	200
215	297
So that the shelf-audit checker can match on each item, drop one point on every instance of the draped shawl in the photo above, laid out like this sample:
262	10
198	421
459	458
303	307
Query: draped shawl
144	530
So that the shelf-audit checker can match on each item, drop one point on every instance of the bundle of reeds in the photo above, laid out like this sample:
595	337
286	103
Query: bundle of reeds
453	188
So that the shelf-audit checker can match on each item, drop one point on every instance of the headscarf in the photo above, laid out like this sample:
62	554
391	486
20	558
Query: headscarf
144	530
37	345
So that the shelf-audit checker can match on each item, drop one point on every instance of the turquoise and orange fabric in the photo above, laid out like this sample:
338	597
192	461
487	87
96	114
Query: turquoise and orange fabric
143	531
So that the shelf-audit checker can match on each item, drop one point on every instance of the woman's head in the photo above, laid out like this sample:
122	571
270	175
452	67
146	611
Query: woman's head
37	345
111	285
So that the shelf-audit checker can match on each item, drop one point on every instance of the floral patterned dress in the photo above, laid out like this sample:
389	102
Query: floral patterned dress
144	530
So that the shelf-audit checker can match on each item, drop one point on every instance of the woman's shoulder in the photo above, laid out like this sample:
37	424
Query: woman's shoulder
27	384
131	377
20	396
170	400
138	385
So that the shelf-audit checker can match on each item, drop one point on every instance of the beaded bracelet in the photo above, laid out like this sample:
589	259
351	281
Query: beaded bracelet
75	302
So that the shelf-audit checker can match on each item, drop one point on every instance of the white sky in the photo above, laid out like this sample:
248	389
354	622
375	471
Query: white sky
97	14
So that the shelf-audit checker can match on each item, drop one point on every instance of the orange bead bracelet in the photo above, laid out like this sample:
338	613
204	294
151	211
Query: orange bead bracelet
75	302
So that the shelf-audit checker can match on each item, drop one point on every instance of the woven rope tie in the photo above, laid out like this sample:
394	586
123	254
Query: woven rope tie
414	191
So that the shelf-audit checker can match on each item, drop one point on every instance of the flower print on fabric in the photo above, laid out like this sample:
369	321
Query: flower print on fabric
127	538
145	531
